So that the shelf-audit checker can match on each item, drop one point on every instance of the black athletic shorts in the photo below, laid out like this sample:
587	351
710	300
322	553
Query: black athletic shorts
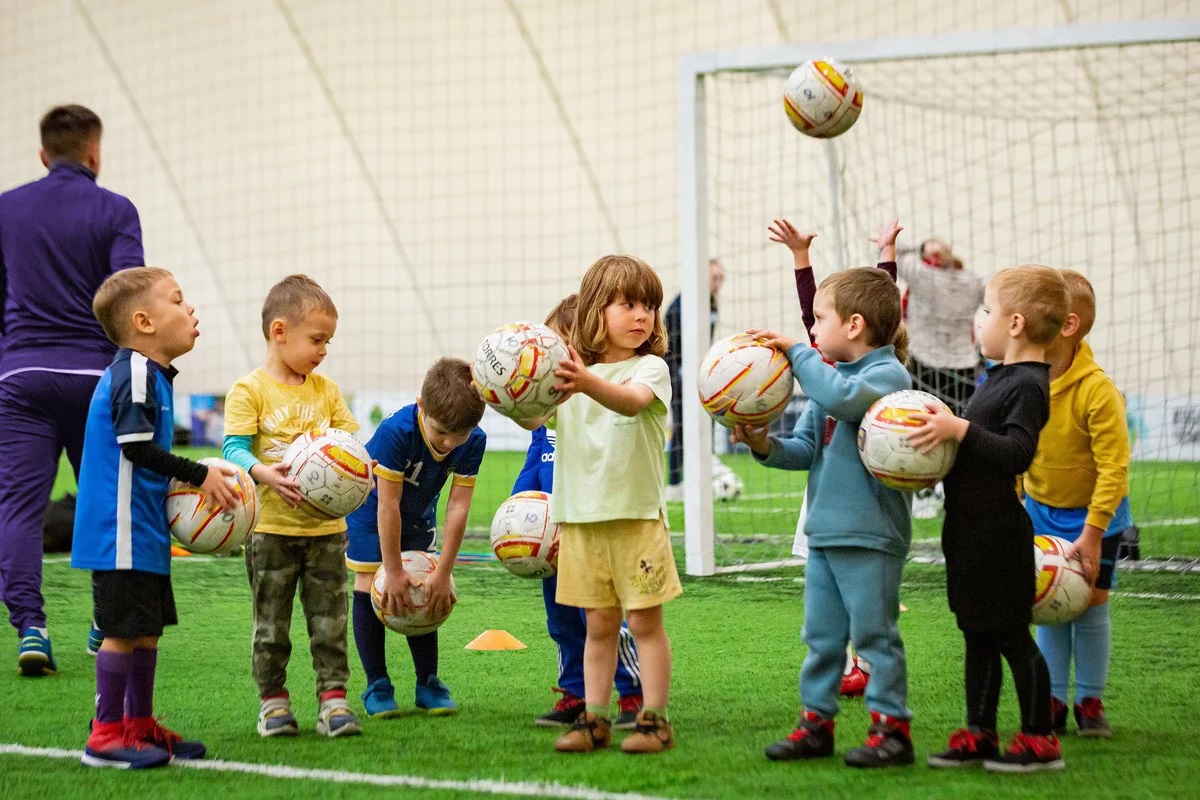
129	604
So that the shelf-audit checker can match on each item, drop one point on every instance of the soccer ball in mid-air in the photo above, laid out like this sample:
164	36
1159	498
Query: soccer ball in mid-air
514	368
885	450
743	380
1062	592
202	526
822	98
419	564
524	538
333	469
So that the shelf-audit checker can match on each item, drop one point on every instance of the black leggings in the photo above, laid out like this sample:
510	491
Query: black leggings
983	679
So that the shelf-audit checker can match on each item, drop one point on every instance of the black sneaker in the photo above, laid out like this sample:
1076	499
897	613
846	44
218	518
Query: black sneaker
813	738
1089	716
969	747
1058	713
888	744
565	711
1028	753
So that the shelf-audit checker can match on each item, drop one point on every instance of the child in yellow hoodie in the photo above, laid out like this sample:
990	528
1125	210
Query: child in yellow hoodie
1078	488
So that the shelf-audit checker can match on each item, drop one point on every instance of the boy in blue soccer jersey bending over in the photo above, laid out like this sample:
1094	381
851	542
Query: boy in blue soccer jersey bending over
418	448
120	527
567	625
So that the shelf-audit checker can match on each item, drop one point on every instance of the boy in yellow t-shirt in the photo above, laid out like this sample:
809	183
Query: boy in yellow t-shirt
264	412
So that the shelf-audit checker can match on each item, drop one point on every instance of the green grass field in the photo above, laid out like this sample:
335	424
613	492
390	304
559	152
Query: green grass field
737	651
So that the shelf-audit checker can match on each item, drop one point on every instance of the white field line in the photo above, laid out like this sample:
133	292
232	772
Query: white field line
478	786
1131	595
1168	523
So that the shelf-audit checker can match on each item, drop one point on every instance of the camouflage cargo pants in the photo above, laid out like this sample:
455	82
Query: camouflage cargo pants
275	565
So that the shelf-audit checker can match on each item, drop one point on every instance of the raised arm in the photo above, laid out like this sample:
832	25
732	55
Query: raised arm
799	243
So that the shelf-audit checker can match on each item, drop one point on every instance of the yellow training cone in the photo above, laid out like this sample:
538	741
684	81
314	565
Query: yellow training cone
903	608
495	640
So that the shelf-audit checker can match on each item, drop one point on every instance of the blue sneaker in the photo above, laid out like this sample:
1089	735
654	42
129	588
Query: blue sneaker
434	697
379	700
148	731
35	658
95	639
107	746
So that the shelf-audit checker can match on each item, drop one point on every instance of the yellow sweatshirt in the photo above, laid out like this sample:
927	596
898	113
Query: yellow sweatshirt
1082	457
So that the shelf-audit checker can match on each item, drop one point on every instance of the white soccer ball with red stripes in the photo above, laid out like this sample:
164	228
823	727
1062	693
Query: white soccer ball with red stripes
419	564
822	98
333	469
744	380
203	527
524	538
1061	593
514	368
885	450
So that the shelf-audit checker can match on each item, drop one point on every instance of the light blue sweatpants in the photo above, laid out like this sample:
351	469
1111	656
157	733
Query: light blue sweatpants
853	594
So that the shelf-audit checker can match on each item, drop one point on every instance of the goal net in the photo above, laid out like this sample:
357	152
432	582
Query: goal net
1046	147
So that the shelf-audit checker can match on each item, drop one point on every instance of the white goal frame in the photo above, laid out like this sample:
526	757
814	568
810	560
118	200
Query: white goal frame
693	200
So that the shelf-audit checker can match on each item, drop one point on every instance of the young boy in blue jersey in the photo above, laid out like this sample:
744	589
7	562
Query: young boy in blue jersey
418	449
120	528
265	412
567	625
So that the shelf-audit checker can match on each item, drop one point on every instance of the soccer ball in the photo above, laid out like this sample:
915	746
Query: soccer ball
419	564
333	469
514	369
727	486
523	538
1062	593
743	380
884	448
201	526
822	98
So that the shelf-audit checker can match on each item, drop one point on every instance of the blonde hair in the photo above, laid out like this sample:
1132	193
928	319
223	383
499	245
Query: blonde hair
293	299
562	317
448	395
1037	293
1082	298
119	296
874	296
609	278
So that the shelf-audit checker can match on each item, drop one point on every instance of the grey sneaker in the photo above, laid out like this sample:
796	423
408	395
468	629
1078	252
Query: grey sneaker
275	718
334	718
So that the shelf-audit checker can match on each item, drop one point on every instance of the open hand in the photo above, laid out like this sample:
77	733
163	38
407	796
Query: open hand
940	426
439	592
886	237
785	233
218	489
773	339
396	596
573	374
276	476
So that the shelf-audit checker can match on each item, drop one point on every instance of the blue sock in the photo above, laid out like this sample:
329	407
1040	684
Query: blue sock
1093	644
1055	643
368	638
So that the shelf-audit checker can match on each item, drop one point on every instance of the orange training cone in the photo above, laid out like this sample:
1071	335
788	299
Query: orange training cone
495	640
178	551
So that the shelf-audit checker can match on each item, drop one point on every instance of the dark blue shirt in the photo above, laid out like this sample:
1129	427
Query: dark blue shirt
60	237
120	517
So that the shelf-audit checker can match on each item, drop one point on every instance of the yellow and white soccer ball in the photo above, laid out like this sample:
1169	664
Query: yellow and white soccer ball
1062	592
419	564
514	368
885	450
822	98
744	380
333	469
202	526
524	538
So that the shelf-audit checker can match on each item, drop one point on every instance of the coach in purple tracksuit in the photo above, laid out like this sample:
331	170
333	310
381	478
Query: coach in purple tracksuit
59	238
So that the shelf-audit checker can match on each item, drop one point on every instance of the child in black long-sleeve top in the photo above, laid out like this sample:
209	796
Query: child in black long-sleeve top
987	538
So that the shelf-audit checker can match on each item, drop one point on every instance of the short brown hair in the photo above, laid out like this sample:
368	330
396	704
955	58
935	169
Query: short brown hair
607	279
874	296
118	297
67	131
293	299
562	317
1083	300
448	395
1037	293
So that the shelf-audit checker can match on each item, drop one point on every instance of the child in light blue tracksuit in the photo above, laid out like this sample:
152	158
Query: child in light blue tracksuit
858	530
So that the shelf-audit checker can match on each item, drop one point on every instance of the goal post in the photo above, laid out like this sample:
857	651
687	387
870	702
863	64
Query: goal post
1089	168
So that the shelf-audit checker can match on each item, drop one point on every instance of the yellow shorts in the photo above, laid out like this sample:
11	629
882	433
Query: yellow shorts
620	563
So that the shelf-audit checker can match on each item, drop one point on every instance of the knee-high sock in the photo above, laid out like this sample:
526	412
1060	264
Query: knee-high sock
424	649
369	638
112	679
139	693
1055	643
1093	644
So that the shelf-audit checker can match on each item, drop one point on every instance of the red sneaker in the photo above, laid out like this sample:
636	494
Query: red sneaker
628	707
147	731
854	682
1028	753
109	745
565	711
1089	716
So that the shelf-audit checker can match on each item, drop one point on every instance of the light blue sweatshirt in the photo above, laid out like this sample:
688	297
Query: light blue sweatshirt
846	506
